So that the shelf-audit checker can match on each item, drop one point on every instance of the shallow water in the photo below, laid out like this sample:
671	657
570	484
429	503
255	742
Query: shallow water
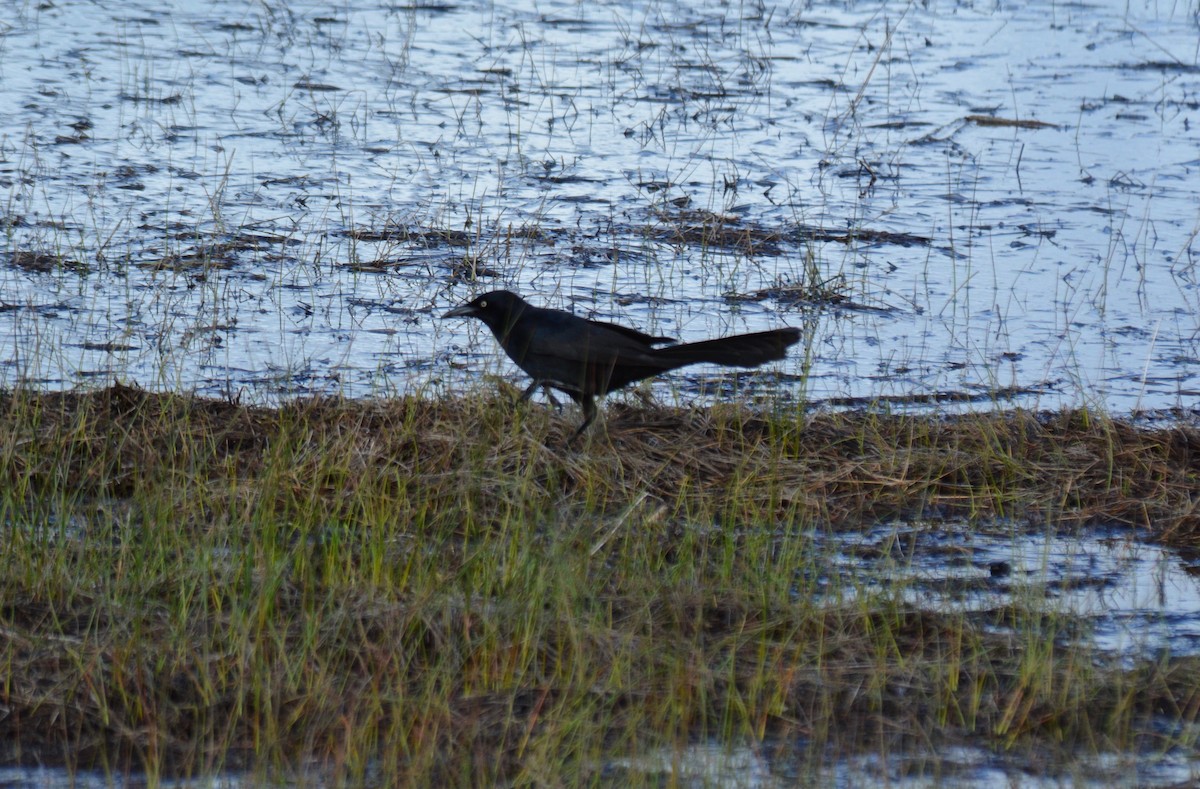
227	185
1128	598
770	766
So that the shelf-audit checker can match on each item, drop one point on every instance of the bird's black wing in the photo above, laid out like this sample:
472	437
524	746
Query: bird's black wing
633	333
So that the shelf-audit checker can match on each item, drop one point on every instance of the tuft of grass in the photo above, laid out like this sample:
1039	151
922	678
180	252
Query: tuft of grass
431	590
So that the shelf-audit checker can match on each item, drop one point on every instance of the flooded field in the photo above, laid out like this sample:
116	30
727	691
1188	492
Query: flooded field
967	206
276	199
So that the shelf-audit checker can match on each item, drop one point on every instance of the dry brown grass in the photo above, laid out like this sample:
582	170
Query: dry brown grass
839	470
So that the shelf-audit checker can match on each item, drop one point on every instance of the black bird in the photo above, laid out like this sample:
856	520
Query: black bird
587	358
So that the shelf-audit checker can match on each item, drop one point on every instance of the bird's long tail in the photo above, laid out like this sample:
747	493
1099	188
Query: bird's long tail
741	350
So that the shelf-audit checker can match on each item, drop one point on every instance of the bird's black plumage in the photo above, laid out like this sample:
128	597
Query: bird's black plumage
586	358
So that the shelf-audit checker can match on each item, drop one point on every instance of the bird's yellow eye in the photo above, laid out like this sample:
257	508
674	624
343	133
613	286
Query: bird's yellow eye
483	304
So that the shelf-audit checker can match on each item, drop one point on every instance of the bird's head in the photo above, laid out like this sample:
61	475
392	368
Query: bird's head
498	309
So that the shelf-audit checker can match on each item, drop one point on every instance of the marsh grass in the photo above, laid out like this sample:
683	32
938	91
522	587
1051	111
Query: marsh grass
430	590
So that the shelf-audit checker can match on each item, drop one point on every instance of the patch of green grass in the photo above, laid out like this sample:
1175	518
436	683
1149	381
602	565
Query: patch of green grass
434	591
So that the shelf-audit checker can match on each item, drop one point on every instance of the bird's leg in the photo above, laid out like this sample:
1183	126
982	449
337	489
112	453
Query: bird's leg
588	403
529	390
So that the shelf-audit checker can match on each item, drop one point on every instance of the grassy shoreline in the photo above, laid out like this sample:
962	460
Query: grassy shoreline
433	590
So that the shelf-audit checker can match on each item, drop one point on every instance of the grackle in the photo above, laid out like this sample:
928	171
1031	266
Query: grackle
586	358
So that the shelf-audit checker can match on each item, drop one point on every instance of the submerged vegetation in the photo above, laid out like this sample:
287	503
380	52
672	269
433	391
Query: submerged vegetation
432	590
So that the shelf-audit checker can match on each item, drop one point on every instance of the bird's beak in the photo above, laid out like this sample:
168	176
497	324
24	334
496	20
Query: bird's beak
464	311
